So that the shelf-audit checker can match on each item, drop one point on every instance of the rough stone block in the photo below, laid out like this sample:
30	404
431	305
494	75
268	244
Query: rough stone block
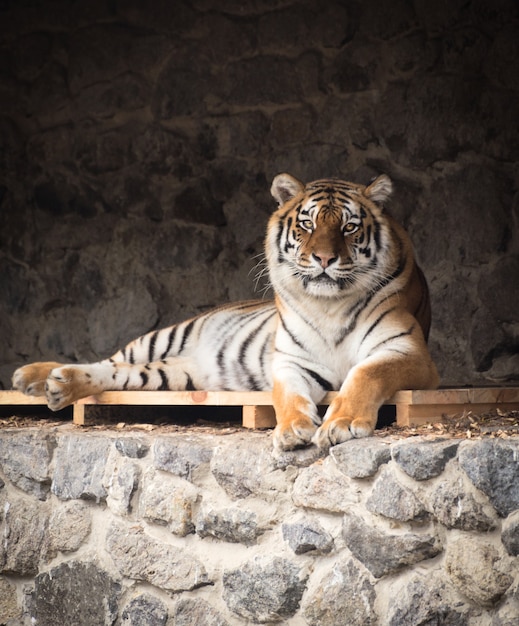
25	459
423	458
168	500
9	608
322	486
393	500
24	533
120	481
492	466
426	600
510	534
453	504
181	455
475	569
196	611
239	477
233	525
145	610
74	593
132	447
265	589
361	458
345	594
141	557
384	553
307	536
69	526
80	463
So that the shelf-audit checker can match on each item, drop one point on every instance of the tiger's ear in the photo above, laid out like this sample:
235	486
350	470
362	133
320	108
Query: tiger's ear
285	187
380	189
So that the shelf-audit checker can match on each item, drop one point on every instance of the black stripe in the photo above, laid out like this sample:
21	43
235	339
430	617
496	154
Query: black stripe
144	378
151	347
322	382
131	358
164	384
404	333
290	334
376	323
189	383
187	331
171	339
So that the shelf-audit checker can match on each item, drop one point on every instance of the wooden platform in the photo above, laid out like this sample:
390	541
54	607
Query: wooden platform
412	407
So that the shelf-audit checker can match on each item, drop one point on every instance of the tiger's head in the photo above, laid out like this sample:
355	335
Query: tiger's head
328	237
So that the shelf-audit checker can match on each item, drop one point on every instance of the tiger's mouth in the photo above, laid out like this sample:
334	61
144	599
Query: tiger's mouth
322	284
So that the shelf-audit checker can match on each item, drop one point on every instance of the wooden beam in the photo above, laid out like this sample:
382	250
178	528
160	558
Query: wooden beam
412	407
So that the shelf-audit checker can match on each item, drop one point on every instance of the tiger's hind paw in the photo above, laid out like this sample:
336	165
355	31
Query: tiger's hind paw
30	379
67	384
295	434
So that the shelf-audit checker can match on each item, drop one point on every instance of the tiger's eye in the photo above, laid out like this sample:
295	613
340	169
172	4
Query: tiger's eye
350	228
306	224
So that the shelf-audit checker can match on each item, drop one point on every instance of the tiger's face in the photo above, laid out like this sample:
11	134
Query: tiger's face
329	235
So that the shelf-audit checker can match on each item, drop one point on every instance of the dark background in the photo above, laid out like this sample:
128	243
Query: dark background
138	140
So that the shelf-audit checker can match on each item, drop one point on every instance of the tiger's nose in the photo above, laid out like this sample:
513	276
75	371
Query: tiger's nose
325	259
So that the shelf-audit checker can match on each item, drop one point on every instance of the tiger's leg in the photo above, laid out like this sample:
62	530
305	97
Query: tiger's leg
295	400
68	383
354	411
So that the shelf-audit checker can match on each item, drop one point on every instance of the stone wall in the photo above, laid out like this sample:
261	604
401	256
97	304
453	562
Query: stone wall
138	141
206	527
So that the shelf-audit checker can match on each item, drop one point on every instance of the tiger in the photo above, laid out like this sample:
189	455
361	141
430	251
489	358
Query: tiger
351	313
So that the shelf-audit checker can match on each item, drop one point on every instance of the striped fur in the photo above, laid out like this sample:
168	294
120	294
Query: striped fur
351	313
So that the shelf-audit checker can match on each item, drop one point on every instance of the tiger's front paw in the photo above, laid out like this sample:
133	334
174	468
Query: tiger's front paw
297	433
338	430
30	379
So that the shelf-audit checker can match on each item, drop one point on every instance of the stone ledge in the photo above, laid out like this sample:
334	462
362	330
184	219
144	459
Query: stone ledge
183	525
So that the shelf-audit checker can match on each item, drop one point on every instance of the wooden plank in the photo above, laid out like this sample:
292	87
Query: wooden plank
413	407
18	398
258	417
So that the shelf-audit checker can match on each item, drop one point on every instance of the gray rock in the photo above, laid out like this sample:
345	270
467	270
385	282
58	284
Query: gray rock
425	600
9	608
141	557
80	462
25	459
121	480
23	536
476	570
453	505
196	611
297	458
245	467
322	486
307	536
145	610
393	500
383	553
69	526
492	465
132	447
168	500
361	458
344	594
181	455
510	534
423	458
74	593
265	589
233	525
